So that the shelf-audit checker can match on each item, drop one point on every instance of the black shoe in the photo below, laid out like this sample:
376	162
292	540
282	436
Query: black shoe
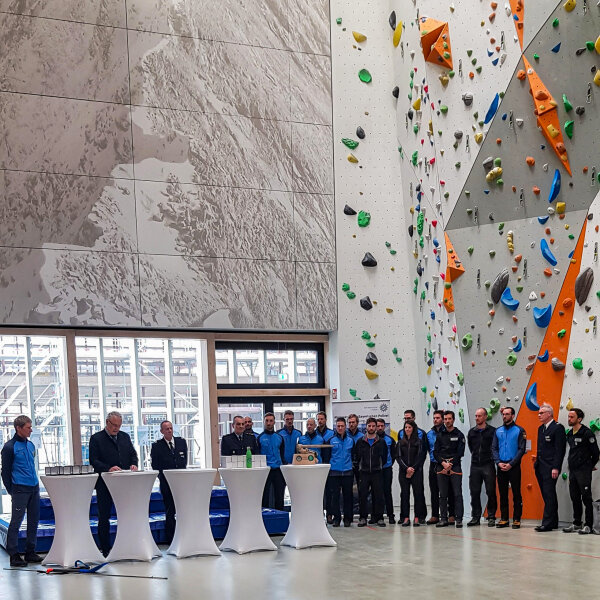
381	523
416	523
347	523
406	523
32	557
458	524
17	561
392	520
442	523
362	522
542	528
329	519
473	522
336	523
372	521
501	524
491	522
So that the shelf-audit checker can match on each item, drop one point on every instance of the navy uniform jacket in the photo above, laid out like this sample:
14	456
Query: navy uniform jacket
232	446
551	446
162	458
105	453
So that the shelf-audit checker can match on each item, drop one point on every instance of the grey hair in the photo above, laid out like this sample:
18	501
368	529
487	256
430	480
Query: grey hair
114	413
548	408
311	419
21	421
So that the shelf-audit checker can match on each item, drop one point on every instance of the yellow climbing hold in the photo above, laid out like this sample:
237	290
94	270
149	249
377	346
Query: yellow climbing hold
597	45
432	394
478	138
552	131
352	158
371	374
569	405
597	78
560	208
359	37
389	310
417	104
569	5
397	34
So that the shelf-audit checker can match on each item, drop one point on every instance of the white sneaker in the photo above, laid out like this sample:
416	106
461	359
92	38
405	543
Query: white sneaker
585	531
571	528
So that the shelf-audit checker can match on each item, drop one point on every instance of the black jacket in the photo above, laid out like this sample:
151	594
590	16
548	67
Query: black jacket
162	458
370	458
232	446
480	445
449	446
583	449
411	452
105	453
551	446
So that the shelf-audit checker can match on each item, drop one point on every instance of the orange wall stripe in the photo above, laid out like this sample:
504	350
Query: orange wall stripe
518	8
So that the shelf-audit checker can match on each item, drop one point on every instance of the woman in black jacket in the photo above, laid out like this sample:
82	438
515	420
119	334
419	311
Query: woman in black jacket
411	451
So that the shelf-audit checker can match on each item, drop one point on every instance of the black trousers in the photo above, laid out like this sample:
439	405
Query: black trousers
450	485
580	490
169	503
483	474
434	491
25	499
104	503
512	476
548	489
416	482
327	494
372	482
343	483
388	475
276	482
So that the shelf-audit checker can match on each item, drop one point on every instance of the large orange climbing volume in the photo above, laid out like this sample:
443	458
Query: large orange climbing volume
454	270
549	382
435	41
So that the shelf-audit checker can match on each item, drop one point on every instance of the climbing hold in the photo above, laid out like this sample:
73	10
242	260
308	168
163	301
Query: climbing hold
467	341
352	392
461	415
359	37
345	287
494	405
567	302
368	260
567	104
397	34
349	143
543	357
366	303
569	128
352	158
360	133
583	284
460	378
560	209
371	359
470	249
492	109
578	364
569	5
562	333
371	374
556	49
365	76
349	210
467	99
531	398
542	316
518	346
555	187
557	364
365	335
350	295
508	301
420	223
530	161
417	104
499	285
547	253
435	42
363	219
590	372
511	359
392	20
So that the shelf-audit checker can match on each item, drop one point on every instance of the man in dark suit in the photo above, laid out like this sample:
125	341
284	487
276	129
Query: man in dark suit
110	450
168	453
238	442
551	447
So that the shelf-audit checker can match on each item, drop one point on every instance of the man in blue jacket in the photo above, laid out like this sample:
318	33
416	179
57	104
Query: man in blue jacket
20	479
341	473
290	436
508	447
387	471
326	434
438	426
312	436
272	446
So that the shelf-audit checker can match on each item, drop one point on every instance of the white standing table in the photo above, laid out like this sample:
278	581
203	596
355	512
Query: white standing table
71	496
191	489
246	532
130	491
307	525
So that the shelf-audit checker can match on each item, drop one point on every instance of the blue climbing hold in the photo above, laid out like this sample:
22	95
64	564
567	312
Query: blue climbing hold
495	61
508	300
432	315
490	53
437	258
418	208
435	242
504	116
542	316
518	346
547	253
556	48
531	398
427	285
571	253
492	109
543	357
486	191
542	220
555	188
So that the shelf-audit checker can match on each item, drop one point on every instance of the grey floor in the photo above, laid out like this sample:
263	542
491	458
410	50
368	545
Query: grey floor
394	562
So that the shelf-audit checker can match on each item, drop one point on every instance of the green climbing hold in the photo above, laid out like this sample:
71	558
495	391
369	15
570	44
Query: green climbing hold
423	295
492	253
420	223
536	56
394	350
388	245
561	333
519	288
370	344
470	249
511	359
473	61
494	405
498	162
365	76
490	414
398	359
339	22
555	22
365	335
349	143
446	195
363	219
568	106
424	389
351	295
421	242
345	287
451	74
467	341
461	415
428	337
565	476
443	109
595	425
447	285
415	158
479	69
578	364
393	252
591	46
598	294
569	128
469	53
571	236
460	378
500	226
415	128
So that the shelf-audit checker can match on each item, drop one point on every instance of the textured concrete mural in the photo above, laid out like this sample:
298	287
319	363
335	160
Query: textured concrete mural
166	164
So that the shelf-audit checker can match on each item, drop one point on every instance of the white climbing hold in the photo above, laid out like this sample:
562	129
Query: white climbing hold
533	296
500	379
545	167
551	210
528	306
532	245
501	330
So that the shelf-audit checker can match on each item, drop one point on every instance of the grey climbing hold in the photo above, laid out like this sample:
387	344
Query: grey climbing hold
371	359
360	133
590	372
499	285
411	230
583	284
580	110
392	20
366	303
467	99
348	210
557	364
368	260
458	135
488	163
396	92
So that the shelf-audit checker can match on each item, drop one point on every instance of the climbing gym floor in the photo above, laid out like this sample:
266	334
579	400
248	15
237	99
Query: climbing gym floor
385	563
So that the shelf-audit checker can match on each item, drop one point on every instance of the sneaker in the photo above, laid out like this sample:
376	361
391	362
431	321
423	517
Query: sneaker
595	531
362	522
406	523
442	523
381	523
516	525
473	522
347	523
392	520
584	531
571	528
433	521
17	561
450	519
336	523
491	522
32	557
459	523
501	524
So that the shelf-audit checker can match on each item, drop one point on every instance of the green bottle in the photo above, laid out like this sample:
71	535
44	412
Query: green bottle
248	458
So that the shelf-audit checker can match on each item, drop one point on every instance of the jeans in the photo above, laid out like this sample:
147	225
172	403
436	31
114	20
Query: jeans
416	482
25	498
374	483
434	491
343	483
512	476
276	481
387	475
453	484
580	490
483	474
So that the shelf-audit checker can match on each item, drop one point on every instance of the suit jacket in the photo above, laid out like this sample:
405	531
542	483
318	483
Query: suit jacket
105	453
551	446
162	458
231	445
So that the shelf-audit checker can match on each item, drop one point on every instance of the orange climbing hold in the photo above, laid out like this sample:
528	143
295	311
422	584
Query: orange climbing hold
567	302
435	42
536	190
518	258
454	268
548	272
530	161
521	75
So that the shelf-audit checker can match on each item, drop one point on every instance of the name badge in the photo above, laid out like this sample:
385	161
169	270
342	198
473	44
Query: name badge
454	439
548	438
577	440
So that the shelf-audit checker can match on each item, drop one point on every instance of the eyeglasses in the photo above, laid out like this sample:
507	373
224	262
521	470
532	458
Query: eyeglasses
114	424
